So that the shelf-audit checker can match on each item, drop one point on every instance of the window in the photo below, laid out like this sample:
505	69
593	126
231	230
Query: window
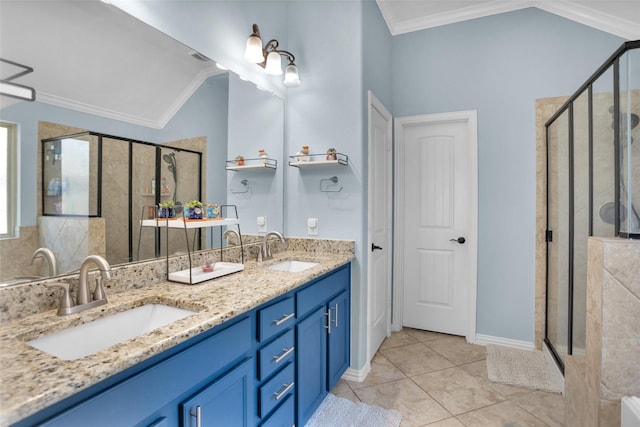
8	179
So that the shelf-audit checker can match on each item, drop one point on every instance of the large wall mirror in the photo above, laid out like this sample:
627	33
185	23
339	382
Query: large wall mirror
97	69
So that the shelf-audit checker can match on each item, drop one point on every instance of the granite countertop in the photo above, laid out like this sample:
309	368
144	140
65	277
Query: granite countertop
32	380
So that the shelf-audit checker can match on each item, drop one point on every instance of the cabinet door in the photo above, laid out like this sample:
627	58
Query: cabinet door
226	402
311	344
339	339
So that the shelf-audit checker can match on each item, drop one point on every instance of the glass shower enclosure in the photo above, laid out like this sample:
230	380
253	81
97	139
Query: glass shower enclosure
102	186
593	188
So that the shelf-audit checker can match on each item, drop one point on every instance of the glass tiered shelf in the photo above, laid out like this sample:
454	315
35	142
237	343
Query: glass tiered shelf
193	275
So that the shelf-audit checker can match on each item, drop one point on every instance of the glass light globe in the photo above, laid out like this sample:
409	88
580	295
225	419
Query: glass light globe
253	51
274	64
291	78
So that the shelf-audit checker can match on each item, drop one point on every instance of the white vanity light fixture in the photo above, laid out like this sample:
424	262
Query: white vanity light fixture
269	58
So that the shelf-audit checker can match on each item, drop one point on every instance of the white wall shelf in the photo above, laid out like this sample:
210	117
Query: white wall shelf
252	164
317	160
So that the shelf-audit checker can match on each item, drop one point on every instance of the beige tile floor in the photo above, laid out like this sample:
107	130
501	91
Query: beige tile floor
440	380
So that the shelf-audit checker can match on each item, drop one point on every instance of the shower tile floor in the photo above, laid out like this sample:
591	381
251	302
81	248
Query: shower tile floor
440	380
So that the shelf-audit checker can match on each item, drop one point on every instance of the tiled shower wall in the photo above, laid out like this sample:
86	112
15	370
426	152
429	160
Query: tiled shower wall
595	383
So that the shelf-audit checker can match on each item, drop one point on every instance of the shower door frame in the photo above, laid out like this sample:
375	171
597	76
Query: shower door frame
611	63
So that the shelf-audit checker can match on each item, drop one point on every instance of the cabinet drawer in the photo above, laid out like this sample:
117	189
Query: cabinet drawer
284	416
276	318
276	390
318	293
275	355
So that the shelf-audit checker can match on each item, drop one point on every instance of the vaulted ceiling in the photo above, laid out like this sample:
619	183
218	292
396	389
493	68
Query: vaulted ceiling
92	57
618	17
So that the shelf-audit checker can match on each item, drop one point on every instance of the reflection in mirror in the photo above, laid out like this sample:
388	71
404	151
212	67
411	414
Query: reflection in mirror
136	83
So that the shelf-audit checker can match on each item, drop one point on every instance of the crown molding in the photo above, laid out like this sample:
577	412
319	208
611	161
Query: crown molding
81	107
565	8
593	18
451	17
160	123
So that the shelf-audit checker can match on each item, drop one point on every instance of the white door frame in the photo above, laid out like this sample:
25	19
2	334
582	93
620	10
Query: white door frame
374	102
470	118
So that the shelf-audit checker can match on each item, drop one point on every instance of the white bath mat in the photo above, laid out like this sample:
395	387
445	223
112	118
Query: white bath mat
522	368
340	412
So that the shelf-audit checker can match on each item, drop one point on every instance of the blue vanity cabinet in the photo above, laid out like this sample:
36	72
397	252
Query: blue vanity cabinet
269	367
152	395
322	339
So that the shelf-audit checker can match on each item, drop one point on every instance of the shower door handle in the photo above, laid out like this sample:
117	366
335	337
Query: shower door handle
460	240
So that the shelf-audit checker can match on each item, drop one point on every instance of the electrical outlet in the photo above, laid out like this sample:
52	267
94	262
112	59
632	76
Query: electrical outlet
262	224
312	226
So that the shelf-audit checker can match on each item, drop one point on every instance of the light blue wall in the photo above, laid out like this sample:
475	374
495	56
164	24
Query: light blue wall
499	65
204	114
325	112
256	121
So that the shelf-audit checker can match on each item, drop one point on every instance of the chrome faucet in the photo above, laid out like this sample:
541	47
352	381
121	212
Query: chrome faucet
50	257
231	232
83	296
265	251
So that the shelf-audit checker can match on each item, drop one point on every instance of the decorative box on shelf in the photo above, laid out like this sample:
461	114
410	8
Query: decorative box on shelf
251	164
312	160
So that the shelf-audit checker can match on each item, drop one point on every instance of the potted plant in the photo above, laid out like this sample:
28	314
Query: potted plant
193	209
166	210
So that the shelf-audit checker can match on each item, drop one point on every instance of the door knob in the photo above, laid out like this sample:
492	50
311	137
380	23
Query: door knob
460	240
374	247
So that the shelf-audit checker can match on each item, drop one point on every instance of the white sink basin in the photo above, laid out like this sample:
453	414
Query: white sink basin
292	266
88	338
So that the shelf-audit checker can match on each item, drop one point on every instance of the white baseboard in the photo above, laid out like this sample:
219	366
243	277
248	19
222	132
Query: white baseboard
507	342
357	375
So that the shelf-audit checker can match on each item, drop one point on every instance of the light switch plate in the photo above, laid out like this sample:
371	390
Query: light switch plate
262	224
312	226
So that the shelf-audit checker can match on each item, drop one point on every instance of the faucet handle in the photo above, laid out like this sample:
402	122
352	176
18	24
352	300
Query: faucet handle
98	293
65	302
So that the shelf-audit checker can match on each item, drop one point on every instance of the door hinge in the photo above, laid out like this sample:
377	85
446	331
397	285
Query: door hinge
548	236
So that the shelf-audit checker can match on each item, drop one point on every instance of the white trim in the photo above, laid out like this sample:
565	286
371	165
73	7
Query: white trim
505	342
375	103
567	9
357	375
471	118
160	123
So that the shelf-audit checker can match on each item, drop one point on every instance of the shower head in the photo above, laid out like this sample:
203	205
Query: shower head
169	158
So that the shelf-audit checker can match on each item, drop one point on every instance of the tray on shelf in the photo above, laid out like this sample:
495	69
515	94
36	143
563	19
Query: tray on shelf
313	160
197	275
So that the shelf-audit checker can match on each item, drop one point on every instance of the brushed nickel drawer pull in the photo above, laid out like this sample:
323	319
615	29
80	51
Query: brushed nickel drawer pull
283	355
283	319
285	389
197	414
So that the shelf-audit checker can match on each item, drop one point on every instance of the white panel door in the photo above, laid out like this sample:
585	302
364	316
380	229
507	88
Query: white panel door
380	213
437	215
